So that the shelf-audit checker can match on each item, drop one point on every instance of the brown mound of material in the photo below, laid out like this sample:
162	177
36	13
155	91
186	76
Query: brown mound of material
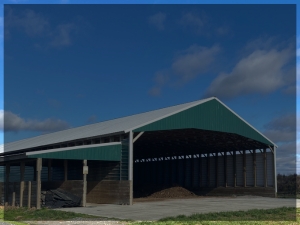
173	192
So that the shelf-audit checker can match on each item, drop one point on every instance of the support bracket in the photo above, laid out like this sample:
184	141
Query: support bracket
137	137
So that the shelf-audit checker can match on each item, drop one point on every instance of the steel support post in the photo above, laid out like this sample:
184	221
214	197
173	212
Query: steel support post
265	168
192	170
234	168
216	170
200	170
275	170
254	166
38	182
130	165
22	171
225	168
244	168
7	172
84	183
208	169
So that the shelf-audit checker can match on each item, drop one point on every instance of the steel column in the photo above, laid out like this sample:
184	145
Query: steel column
244	167
225	168
234	168
38	182
130	165
275	170
254	166
265	168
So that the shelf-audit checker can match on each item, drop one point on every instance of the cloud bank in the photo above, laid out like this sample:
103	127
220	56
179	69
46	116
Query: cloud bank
12	122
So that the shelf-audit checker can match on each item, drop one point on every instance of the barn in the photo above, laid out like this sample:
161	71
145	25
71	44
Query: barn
202	146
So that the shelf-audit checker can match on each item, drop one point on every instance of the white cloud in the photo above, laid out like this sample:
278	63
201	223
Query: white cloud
261	72
92	119
187	65
62	35
193	61
37	25
158	20
12	122
34	24
283	128
194	21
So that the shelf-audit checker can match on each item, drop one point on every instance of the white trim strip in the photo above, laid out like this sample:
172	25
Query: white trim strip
170	114
72	148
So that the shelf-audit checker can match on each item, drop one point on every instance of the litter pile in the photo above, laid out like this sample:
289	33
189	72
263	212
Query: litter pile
59	198
173	192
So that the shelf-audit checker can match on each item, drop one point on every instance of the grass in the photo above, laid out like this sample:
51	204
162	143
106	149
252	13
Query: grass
271	217
26	214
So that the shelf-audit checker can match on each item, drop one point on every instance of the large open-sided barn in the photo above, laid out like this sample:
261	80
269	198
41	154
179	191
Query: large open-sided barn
202	146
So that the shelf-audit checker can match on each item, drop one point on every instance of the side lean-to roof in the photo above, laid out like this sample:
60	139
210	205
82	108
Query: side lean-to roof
142	120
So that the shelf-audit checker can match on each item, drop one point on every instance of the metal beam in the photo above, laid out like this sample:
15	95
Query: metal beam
137	137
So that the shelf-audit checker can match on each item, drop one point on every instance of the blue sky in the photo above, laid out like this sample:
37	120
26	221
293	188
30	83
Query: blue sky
70	65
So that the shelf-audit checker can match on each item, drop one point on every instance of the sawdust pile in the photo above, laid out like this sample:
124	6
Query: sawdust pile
173	192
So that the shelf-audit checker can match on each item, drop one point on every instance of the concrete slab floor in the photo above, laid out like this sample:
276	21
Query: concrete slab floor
155	210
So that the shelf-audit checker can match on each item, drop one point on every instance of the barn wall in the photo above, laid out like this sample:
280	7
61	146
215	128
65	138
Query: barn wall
107	182
108	192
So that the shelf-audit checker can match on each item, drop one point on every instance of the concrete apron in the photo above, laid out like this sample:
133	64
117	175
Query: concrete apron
155	210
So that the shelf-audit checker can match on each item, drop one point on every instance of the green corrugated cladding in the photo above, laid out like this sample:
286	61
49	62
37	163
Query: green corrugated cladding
107	153
124	159
211	115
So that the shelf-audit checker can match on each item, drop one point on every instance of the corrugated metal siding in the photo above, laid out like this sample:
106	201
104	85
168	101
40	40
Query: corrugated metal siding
108	153
124	159
249	170
239	170
212	170
101	170
75	169
181	172
204	171
44	173
196	175
2	173
270	169
211	115
188	170
167	171
230	178
259	169
29	173
57	170
221	171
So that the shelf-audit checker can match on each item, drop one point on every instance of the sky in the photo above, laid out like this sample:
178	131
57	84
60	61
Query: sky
70	65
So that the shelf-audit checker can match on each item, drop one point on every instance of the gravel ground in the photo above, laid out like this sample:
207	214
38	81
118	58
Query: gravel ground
4	223
77	221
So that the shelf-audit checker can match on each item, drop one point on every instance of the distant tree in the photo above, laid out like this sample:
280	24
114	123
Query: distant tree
288	184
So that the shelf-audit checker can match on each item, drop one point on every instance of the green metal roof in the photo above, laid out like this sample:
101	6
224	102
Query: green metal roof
211	115
108	152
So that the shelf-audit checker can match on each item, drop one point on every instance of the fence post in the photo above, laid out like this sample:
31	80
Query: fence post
29	195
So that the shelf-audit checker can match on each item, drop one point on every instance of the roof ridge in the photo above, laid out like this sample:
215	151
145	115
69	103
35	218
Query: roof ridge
87	125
